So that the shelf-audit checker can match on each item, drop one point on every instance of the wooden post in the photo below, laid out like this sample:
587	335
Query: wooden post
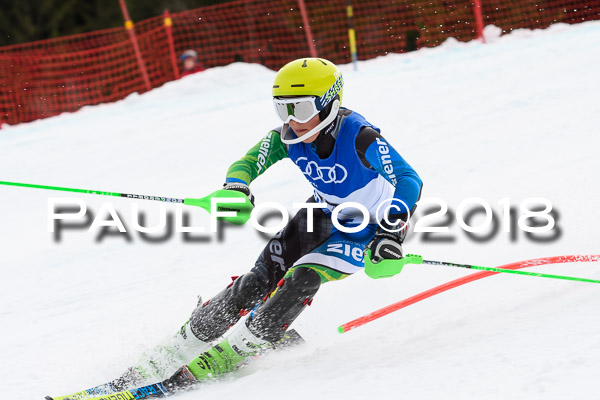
169	28
134	43
351	34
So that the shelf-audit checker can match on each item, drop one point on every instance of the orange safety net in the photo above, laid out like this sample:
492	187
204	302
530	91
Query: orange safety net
537	14
45	78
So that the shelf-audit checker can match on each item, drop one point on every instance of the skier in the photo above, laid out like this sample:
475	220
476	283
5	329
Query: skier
346	159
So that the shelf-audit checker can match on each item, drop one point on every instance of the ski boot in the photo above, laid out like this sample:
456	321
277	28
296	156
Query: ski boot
228	355
237	350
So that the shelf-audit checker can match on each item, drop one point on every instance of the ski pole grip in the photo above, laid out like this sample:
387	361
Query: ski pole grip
231	201
387	268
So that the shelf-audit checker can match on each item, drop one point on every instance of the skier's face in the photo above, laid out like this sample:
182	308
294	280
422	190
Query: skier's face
301	128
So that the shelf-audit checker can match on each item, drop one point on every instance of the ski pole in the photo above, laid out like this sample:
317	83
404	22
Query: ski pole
509	271
227	200
388	267
98	192
459	282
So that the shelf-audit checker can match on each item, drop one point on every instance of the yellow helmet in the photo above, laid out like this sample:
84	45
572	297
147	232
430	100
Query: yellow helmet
309	77
304	88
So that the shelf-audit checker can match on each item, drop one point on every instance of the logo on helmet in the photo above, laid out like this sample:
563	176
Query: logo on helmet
332	92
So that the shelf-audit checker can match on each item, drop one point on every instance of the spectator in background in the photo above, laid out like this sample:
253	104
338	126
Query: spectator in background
190	63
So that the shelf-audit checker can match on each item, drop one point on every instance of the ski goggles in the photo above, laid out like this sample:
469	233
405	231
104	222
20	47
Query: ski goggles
303	108
300	109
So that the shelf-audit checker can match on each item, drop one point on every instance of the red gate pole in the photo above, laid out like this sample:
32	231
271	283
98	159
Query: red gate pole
478	19
169	28
309	37
461	281
134	42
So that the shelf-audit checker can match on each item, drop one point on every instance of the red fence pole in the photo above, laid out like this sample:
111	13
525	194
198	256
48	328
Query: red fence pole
169	28
309	37
134	42
478	19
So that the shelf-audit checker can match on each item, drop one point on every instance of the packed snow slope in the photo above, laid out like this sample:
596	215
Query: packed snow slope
516	118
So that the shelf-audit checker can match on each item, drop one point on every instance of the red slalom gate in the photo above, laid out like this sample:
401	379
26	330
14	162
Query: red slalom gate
459	282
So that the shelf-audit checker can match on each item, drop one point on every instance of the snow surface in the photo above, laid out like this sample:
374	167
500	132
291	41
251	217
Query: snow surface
517	118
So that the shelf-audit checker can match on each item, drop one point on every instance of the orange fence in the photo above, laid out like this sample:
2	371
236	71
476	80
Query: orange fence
45	78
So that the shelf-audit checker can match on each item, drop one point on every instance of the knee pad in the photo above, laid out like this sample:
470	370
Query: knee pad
294	293
247	291
305	280
212	319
